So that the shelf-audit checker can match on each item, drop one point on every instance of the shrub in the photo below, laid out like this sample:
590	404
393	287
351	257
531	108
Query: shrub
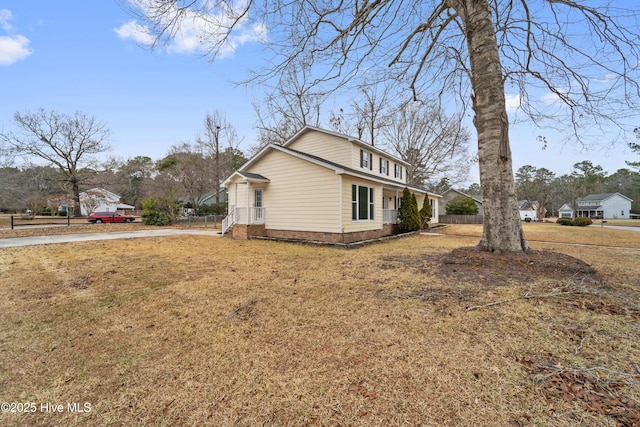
565	221
462	205
408	215
215	209
62	212
45	211
582	221
157	214
425	212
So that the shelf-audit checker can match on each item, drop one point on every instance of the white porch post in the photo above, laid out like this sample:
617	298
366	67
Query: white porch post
249	221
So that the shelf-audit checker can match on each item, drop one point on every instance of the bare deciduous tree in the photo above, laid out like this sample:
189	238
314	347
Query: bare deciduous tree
584	56
535	184
187	169
292	105
370	114
434	143
70	143
217	130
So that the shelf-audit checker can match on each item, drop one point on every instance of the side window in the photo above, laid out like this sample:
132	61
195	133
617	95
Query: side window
366	160
398	171
384	166
362	203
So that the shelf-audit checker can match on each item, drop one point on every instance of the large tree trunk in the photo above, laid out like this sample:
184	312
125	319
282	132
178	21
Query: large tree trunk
502	229
77	211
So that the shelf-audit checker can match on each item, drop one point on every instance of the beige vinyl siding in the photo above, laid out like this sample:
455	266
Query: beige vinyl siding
375	170
344	152
325	146
300	195
348	223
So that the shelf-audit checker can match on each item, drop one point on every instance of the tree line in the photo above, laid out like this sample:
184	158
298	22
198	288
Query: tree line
62	157
541	185
71	146
191	172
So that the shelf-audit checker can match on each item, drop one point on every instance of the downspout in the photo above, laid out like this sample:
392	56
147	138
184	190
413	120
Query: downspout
341	206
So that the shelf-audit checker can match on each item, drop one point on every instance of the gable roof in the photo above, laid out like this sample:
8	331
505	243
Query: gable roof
337	168
355	141
527	205
462	194
601	197
106	194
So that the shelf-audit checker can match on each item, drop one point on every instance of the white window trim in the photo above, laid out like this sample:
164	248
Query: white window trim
371	205
397	171
366	159
384	166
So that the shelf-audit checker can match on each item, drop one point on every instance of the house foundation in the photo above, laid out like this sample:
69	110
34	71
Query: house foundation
244	231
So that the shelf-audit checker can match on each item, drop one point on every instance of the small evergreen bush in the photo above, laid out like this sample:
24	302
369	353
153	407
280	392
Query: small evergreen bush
565	221
425	212
582	221
408	215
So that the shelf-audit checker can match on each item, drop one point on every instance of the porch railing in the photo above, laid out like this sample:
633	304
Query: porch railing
229	220
389	216
243	215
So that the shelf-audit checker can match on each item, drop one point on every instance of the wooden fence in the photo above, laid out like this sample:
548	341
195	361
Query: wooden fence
460	219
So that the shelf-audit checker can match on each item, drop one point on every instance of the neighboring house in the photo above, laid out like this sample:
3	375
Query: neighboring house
451	194
211	198
528	210
565	211
319	185
99	199
607	206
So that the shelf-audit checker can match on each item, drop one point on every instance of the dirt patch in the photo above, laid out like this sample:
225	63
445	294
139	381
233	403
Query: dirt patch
470	262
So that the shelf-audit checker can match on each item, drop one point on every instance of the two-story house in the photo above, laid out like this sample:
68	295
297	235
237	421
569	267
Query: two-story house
319	185
607	206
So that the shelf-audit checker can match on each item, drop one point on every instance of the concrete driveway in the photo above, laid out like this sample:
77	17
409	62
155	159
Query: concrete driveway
86	237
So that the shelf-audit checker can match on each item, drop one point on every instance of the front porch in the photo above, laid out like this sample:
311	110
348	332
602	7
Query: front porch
243	216
590	213
389	216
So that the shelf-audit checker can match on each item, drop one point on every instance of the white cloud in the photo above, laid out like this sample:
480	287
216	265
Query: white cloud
136	32
5	17
551	97
199	32
13	48
512	102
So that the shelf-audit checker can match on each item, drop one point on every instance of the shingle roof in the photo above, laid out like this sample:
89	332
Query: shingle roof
596	197
349	170
251	175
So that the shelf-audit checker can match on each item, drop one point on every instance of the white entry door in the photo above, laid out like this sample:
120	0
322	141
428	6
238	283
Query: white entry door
258	209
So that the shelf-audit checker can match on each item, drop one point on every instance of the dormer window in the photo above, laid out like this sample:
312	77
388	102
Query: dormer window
384	166
398	171
366	160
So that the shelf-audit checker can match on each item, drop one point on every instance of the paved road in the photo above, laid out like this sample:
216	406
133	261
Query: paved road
618	227
86	237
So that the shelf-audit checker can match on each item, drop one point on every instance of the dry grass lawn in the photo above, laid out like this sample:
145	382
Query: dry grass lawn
199	331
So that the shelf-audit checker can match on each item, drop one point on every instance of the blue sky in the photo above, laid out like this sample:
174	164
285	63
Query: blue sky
79	55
